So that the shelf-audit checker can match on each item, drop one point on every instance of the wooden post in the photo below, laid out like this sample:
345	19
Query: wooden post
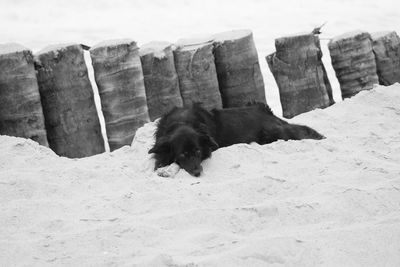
300	74
160	78
72	123
21	111
386	46
119	77
354	62
239	74
198	82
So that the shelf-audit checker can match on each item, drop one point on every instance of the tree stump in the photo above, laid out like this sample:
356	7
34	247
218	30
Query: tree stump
119	77
72	123
239	74
386	46
160	78
354	62
21	112
198	82
300	74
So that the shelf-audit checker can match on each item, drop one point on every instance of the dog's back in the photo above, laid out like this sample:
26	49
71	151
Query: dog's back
256	123
194	116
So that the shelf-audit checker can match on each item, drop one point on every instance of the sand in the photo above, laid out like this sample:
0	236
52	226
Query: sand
334	202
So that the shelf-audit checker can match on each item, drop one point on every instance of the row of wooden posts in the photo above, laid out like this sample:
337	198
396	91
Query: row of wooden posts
48	97
359	59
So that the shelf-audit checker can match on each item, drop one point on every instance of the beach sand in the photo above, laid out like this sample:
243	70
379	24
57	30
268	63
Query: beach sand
333	202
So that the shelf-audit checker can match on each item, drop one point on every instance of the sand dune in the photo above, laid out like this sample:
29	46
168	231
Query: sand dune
334	202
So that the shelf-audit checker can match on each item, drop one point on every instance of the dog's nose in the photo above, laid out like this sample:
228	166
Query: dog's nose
197	171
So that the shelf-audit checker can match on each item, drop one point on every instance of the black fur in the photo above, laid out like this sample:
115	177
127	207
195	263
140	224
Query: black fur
185	136
188	135
256	123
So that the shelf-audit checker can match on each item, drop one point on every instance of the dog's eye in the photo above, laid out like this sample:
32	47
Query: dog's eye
198	152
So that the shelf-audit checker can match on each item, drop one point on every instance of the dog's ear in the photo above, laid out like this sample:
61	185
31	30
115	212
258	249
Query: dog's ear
162	146
205	138
208	141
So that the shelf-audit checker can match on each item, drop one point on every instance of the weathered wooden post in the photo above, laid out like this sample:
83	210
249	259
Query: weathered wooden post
21	111
300	74
198	82
72	123
160	78
119	77
239	74
386	46
354	62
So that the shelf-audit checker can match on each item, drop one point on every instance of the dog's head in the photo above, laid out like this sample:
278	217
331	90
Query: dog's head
185	146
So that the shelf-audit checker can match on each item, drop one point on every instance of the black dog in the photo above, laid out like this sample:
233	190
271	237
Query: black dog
188	135
185	136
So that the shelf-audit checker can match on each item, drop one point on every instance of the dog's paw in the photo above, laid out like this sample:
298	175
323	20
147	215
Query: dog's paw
168	171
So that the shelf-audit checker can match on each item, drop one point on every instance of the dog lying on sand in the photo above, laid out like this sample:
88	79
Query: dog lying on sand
187	136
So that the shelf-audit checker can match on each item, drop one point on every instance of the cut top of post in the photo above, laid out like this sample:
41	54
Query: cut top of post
231	35
296	35
383	34
9	48
294	40
296	43
55	48
112	43
193	43
348	36
157	48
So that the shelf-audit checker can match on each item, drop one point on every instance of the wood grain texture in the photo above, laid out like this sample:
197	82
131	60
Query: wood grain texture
72	122
239	74
160	78
197	75
300	74
21	111
354	62
386	47
119	77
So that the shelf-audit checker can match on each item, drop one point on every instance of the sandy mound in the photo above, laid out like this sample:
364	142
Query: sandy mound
333	202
